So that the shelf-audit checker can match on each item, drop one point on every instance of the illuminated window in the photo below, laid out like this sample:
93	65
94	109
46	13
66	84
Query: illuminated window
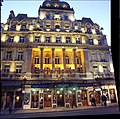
57	60
48	5
64	6
67	60
47	60
37	60
56	5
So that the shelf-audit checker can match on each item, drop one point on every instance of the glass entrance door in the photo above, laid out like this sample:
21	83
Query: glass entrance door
34	99
47	99
60	99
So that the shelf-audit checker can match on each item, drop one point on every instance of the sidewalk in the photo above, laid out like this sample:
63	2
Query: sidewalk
16	111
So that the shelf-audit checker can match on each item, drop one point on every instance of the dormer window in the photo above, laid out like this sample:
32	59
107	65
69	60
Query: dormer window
48	16
48	5
56	16
56	5
64	6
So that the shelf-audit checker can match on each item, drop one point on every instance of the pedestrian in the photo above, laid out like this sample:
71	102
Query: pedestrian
74	101
93	101
104	100
10	107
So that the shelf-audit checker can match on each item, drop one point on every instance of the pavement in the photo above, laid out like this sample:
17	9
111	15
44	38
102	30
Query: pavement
20	111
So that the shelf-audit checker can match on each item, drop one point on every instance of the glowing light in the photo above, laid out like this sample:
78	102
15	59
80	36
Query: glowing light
61	89
33	89
74	88
60	95
47	89
17	98
49	96
58	92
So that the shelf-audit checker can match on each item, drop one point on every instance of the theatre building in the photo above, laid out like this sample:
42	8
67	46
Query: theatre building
48	59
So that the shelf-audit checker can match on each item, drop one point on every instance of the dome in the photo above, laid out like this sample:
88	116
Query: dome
56	4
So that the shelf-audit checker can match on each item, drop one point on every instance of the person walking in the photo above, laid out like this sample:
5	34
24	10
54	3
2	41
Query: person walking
74	101
104	100
93	101
10	107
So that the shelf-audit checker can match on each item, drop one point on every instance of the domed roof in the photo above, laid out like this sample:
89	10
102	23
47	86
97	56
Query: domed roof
55	4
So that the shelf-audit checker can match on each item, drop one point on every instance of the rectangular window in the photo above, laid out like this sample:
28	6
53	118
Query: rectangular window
6	68
37	39
58	40
67	60
78	41
20	56
68	40
57	60
18	69
9	55
47	39
10	40
47	60
22	40
37	60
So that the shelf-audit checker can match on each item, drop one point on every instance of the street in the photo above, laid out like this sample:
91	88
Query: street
76	112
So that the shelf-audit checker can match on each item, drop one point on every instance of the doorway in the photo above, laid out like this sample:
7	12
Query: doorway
34	99
60	99
47	99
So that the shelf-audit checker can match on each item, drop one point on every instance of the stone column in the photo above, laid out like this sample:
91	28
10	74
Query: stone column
41	61
64	62
14	100
53	59
75	62
4	101
29	62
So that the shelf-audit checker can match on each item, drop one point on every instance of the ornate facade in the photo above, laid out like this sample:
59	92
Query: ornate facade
45	60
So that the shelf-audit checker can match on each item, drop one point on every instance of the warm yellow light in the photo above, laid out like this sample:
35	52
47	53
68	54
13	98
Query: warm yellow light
31	37
76	27
6	27
16	38
100	68
17	98
95	41
83	30
63	39
12	67
49	96
73	39
60	95
42	15
83	39
3	38
31	27
58	92
93	31
18	27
